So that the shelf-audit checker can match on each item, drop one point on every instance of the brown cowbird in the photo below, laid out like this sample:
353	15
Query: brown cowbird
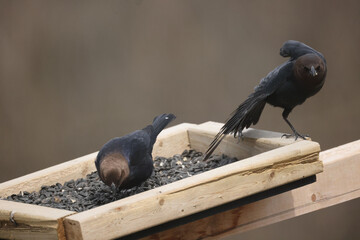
125	162
287	86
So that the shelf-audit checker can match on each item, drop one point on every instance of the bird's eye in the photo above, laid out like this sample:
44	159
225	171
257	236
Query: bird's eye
317	68
306	69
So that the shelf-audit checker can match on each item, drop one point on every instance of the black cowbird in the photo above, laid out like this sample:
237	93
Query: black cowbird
125	162
287	86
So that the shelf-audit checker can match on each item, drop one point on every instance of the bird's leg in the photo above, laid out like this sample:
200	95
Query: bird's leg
296	134
239	136
285	115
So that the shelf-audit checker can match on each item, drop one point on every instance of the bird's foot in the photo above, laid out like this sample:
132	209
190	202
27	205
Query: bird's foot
239	136
296	135
12	213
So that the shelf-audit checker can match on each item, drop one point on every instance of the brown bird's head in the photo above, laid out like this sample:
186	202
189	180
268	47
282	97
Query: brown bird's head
114	169
310	69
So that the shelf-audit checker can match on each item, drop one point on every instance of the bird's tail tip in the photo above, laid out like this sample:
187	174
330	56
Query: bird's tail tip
164	116
161	121
213	145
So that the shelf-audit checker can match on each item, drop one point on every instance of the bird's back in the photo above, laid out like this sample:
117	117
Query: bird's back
131	146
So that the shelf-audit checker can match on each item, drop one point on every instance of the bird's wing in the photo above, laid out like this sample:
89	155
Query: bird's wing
274	79
139	146
249	111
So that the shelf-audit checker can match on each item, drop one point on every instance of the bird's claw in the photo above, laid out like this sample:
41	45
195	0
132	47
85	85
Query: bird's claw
12	213
296	135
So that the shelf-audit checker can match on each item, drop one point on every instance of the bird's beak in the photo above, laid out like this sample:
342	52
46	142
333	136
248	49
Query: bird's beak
313	72
113	188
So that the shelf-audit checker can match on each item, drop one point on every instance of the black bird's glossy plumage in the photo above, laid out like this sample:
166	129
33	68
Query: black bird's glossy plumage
287	86
127	161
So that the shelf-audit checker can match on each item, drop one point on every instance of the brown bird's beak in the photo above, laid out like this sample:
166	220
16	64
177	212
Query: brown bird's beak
114	188
313	72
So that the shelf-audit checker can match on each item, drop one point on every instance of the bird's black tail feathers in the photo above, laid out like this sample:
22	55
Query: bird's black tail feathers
159	123
246	114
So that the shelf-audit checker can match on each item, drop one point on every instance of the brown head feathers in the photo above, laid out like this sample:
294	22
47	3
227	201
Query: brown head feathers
310	70
114	169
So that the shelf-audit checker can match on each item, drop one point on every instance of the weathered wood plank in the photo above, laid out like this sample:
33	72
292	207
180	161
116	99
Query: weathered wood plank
31	221
172	140
339	182
63	172
200	192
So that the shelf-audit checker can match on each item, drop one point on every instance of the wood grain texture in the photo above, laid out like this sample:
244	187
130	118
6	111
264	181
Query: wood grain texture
200	192
31	221
173	140
63	172
339	182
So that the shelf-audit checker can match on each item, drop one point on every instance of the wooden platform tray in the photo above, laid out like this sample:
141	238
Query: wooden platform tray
338	183
267	161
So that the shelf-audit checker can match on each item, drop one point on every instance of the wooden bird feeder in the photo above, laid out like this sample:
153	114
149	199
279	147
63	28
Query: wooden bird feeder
268	161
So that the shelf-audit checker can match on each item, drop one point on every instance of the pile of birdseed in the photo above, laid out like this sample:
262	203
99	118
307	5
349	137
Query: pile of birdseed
86	193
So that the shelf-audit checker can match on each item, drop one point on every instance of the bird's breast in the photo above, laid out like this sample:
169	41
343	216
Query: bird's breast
310	85
288	95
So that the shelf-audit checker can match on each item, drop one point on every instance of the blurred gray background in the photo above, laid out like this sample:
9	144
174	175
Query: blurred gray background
74	74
